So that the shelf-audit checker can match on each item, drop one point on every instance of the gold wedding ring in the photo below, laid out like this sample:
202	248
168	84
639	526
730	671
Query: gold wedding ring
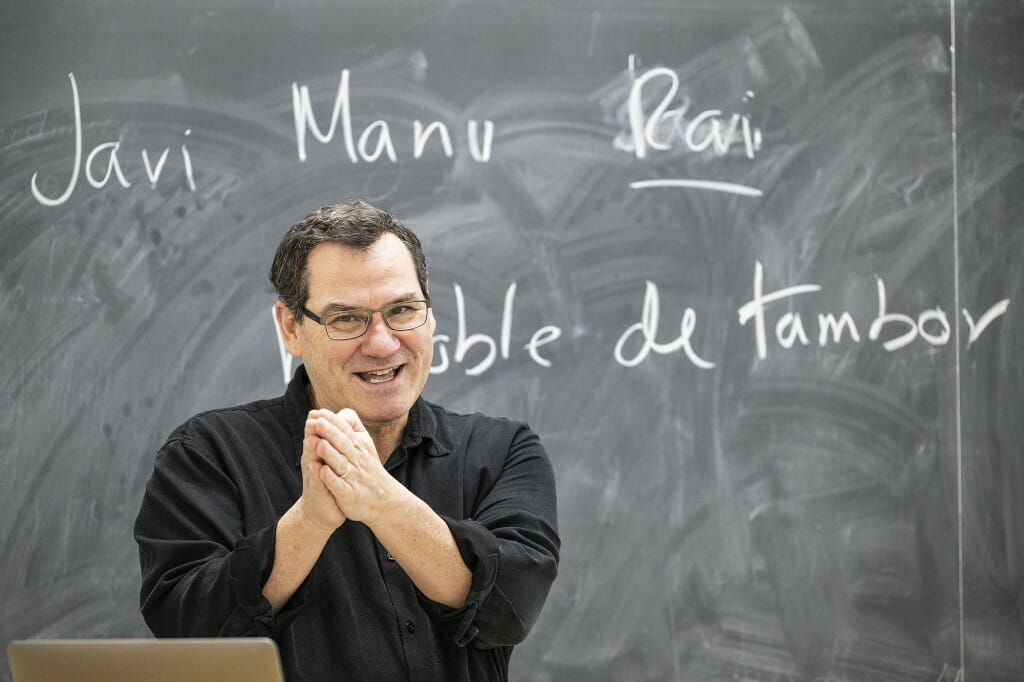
347	471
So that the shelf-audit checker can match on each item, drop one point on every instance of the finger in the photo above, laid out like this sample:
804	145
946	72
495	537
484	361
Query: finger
346	421
335	460
335	484
349	423
337	433
356	445
309	445
310	418
313	479
315	474
309	435
349	416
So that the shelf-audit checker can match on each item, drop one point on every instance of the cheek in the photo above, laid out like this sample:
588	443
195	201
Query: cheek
325	354
335	356
424	346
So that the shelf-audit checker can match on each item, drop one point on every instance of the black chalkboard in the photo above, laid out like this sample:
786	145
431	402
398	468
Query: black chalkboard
751	269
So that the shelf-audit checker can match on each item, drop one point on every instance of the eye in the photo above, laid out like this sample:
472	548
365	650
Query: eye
347	318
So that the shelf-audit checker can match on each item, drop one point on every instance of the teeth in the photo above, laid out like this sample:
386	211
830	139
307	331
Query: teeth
379	376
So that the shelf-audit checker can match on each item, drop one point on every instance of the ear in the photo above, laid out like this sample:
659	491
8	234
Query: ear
288	328
431	322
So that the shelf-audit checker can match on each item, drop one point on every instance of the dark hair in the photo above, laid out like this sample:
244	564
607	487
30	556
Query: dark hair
357	225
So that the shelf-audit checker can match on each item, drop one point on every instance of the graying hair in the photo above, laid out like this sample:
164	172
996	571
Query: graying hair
355	224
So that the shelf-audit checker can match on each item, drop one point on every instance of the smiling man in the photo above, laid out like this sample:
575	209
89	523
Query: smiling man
373	534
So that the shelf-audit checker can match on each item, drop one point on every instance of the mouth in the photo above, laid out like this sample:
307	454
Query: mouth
380	376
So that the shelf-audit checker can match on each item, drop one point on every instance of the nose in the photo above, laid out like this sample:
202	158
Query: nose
379	340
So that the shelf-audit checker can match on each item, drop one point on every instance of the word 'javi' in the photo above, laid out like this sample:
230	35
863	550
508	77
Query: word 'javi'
106	157
376	138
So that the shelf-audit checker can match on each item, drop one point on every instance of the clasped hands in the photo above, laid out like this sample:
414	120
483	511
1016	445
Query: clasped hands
342	474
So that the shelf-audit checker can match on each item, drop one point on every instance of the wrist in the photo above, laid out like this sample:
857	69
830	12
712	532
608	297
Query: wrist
308	523
397	503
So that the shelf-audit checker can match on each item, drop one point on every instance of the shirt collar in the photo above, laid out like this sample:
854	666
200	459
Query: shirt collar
422	428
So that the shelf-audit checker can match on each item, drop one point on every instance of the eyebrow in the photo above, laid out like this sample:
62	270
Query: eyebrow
341	307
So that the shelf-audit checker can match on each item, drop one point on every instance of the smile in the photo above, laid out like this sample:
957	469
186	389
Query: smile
379	376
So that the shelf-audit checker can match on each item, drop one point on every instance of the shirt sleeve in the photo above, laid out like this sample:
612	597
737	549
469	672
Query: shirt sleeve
511	545
202	576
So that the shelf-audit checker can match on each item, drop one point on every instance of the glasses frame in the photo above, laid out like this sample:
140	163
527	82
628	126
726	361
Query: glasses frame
322	321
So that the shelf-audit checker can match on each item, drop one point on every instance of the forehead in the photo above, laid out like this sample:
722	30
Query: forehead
339	273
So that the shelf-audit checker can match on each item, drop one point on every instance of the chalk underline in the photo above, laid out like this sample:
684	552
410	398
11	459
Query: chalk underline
729	187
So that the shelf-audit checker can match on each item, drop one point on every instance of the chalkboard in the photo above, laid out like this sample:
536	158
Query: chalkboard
751	269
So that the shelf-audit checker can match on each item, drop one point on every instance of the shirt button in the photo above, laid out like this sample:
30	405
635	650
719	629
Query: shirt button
410	626
390	558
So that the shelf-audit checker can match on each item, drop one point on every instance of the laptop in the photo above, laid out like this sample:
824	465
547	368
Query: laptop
145	660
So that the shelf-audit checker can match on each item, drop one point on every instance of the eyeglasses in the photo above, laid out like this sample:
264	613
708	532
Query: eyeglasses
353	322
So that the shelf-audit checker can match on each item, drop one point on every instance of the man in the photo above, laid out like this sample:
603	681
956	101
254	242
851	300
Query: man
372	534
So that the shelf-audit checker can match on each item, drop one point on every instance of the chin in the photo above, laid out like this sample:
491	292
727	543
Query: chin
377	414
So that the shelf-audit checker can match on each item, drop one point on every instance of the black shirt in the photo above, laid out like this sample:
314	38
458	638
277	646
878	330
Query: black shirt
206	536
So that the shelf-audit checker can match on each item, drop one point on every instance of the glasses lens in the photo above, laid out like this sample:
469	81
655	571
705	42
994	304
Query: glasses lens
406	315
348	324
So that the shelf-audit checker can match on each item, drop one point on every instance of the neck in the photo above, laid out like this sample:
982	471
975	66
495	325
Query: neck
385	439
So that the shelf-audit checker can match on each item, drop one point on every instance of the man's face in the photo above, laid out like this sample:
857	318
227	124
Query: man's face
381	373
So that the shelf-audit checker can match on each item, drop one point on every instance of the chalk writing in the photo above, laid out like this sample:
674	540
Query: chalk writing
665	127
376	140
1017	113
930	325
790	329
714	186
647	328
477	352
463	343
755	307
108	151
283	355
976	328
